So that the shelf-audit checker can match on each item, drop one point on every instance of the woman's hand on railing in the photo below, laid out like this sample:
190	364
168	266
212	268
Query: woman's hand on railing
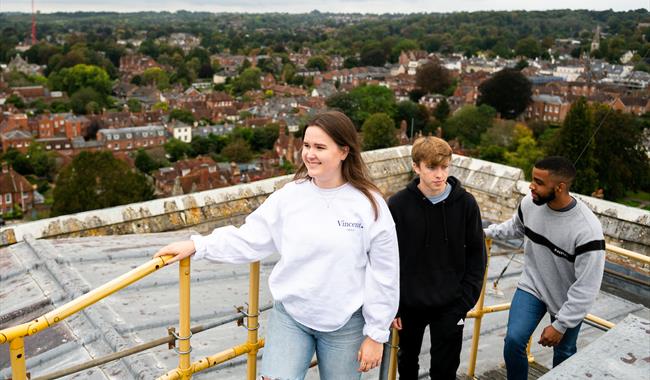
179	249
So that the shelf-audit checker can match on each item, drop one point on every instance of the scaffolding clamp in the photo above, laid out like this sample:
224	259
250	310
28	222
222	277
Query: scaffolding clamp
245	315
171	331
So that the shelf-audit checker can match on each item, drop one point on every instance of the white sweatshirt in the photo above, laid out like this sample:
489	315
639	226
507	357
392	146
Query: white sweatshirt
335	258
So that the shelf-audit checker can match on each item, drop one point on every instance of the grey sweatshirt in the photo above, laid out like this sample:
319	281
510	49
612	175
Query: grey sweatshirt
564	255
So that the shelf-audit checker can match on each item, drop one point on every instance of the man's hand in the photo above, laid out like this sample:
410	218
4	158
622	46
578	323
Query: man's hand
180	250
397	323
550	337
369	355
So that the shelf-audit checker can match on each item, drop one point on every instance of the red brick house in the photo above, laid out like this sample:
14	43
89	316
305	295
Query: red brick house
62	124
132	138
17	139
287	147
549	108
136	64
15	190
188	176
16	121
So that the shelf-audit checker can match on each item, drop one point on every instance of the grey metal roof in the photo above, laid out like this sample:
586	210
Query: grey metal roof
137	131
17	134
38	275
551	99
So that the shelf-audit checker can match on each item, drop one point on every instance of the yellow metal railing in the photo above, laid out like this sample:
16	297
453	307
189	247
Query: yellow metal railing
15	335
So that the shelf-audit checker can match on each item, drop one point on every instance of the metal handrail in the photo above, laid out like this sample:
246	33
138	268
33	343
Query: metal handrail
15	335
60	313
628	254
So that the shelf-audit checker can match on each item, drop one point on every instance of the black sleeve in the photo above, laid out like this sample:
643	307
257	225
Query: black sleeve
475	256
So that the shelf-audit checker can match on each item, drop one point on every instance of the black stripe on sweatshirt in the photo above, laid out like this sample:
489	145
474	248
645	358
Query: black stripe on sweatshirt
593	245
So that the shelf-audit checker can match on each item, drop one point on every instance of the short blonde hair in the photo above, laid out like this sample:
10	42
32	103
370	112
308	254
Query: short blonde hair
430	150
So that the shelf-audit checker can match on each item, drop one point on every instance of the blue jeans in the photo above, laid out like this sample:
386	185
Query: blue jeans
526	311
290	347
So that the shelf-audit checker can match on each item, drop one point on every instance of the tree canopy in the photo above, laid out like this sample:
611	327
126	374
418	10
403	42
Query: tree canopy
379	132
364	101
95	180
576	143
433	78
82	76
508	91
468	123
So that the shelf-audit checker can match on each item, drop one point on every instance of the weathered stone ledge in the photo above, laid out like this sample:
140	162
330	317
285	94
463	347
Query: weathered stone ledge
497	188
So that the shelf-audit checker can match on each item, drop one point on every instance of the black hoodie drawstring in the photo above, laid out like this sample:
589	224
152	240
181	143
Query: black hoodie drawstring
426	224
444	222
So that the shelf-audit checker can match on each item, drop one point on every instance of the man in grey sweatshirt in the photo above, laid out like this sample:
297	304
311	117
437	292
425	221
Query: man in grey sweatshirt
564	254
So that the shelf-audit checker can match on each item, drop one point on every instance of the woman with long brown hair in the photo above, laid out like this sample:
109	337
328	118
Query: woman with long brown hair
336	287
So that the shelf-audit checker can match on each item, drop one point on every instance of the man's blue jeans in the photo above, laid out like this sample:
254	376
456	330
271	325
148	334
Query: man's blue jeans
526	311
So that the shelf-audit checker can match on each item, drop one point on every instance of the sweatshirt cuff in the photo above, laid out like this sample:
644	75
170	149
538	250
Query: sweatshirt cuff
200	246
378	335
559	327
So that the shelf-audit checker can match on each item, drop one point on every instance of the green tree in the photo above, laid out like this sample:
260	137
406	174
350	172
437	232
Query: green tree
508	91
155	76
265	137
249	79
415	115
81	76
373	54
342	101
42	162
86	101
351	62
528	47
160	106
317	62
521	64
182	115
576	143
144	162
525	155
442	110
403	45
238	150
288	72
433	78
16	100
95	180
468	123
624	164
134	105
378	132
177	149
371	99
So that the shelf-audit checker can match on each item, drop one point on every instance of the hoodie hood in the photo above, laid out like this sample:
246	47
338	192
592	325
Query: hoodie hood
457	191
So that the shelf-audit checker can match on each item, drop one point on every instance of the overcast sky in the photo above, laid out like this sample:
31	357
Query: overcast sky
302	6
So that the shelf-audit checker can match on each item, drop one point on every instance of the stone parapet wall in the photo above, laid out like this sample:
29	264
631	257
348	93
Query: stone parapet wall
203	211
497	188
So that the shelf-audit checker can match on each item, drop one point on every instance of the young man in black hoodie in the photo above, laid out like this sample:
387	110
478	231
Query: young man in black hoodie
442	260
